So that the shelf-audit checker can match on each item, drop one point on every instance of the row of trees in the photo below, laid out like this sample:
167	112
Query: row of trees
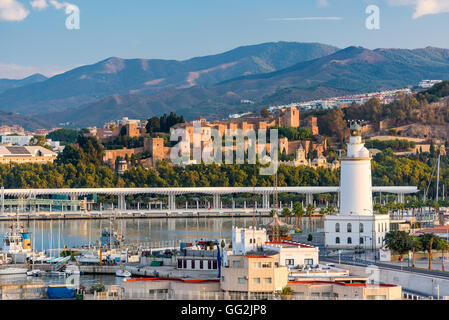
163	123
401	242
298	212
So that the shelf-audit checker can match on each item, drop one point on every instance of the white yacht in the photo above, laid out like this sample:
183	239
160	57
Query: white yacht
122	273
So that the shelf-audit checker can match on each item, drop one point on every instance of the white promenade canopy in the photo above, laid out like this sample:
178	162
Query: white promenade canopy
192	190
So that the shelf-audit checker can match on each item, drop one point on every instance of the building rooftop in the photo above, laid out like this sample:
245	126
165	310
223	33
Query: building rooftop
288	244
25	151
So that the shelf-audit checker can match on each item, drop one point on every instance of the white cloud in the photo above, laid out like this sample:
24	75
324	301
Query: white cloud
12	10
424	7
61	5
306	19
39	4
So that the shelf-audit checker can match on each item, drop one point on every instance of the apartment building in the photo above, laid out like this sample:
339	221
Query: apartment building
253	276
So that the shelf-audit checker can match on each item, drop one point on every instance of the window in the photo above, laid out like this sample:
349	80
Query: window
289	262
326	295
315	295
242	280
256	280
349	227
179	263
193	264
266	265
201	264
185	264
361	240
361	227
337	240
308	262
378	240
337	227
235	263
214	263
349	240
209	264
267	280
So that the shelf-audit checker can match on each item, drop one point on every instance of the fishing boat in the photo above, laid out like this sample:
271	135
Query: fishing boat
12	271
122	273
17	244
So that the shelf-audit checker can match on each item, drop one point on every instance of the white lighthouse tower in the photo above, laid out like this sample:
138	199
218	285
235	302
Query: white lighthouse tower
356	224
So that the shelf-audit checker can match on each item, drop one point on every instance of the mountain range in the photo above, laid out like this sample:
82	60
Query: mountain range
214	86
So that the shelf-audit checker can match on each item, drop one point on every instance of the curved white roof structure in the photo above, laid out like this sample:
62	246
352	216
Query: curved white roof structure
202	190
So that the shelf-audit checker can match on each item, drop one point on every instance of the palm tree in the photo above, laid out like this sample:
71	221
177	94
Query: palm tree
323	211
416	245
286	293
391	206
286	213
310	209
444	246
298	211
400	207
376	207
429	242
330	209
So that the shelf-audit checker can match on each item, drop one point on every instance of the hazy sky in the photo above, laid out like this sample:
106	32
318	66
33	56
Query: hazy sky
34	37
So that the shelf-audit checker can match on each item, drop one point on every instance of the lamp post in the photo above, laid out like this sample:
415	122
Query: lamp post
373	231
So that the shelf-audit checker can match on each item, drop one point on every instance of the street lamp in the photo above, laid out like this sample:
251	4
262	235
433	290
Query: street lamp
373	234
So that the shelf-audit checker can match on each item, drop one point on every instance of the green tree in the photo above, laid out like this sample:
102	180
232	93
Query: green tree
429	242
398	242
286	213
265	113
298	211
416	245
310	209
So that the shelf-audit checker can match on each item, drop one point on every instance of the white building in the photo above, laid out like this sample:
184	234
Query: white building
16	140
426	84
293	254
247	239
356	224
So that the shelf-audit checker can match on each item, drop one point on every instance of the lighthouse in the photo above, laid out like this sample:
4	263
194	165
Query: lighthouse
356	224
355	177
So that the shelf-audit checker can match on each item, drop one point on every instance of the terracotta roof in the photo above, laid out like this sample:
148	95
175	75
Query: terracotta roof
174	279
342	283
289	243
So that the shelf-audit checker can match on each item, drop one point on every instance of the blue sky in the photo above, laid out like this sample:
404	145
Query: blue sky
34	38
